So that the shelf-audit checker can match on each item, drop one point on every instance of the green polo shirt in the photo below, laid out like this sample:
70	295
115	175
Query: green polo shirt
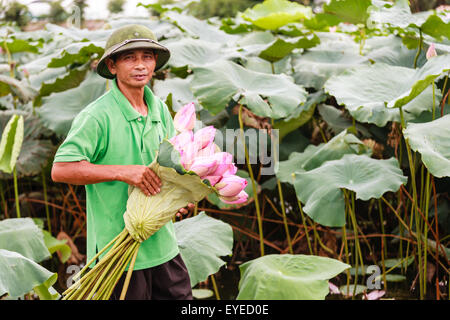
109	131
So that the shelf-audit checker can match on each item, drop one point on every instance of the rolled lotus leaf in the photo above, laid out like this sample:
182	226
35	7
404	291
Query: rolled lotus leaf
147	214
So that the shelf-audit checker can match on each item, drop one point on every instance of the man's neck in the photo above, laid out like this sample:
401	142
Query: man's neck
135	96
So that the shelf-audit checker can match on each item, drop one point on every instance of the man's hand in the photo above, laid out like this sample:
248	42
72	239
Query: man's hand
184	211
142	177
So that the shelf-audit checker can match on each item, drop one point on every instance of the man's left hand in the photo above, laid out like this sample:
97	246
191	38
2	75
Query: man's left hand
185	210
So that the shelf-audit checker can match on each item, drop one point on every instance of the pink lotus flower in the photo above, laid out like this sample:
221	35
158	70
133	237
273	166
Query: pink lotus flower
207	151
182	140
212	179
203	166
431	52
185	118
204	136
225	165
231	186
240	198
187	154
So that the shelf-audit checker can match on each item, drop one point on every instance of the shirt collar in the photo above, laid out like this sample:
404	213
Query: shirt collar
127	109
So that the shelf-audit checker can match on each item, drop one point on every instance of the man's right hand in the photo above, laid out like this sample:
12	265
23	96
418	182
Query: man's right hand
84	172
142	177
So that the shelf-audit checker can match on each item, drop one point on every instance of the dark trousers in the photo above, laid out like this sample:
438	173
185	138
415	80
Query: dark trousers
168	281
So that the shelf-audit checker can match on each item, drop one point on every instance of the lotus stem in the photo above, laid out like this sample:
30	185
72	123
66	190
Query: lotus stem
418	50
383	246
47	212
303	220
16	192
415	204
130	271
255	191
216	290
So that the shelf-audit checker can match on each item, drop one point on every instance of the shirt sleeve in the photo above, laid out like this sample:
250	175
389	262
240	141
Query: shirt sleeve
85	140
168	121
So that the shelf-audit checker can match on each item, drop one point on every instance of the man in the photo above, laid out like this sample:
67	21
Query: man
108	148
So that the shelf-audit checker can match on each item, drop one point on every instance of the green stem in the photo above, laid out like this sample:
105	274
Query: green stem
16	192
255	192
419	50
414	206
383	246
128	277
304	222
280	193
216	290
47	212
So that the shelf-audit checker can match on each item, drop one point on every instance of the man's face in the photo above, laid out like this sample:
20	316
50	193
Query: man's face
134	68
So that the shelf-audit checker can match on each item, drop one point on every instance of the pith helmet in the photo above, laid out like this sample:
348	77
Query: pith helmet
133	36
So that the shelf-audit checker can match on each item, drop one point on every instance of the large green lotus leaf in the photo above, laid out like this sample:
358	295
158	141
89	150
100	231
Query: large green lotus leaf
315	67
215	85
320	189
422	79
390	50
59	109
352	11
54	245
35	150
20	45
337	120
251	44
261	65
176	92
20	275
77	53
301	115
397	15
81	35
22	235
69	80
198	28
288	277
196	52
20	88
314	156
432	141
367	91
202	241
11	143
283	46
435	27
272	14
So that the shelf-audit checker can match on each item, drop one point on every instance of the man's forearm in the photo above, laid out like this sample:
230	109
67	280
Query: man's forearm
84	172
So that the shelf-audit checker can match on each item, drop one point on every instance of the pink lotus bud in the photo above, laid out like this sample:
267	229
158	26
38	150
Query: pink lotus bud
187	154
204	136
240	198
185	118
225	166
182	139
207	151
231	186
431	52
203	166
213	179
332	29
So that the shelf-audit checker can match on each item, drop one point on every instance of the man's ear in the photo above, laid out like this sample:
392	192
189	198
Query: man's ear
111	65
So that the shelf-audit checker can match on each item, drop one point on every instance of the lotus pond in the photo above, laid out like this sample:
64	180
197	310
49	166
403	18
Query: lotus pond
338	118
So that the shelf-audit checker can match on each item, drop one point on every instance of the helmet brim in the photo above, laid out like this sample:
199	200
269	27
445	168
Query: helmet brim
162	51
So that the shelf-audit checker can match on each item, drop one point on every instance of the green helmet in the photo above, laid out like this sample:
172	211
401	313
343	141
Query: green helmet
133	36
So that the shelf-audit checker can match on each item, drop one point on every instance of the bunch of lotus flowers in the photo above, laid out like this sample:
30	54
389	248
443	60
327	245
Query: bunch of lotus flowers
201	155
206	170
